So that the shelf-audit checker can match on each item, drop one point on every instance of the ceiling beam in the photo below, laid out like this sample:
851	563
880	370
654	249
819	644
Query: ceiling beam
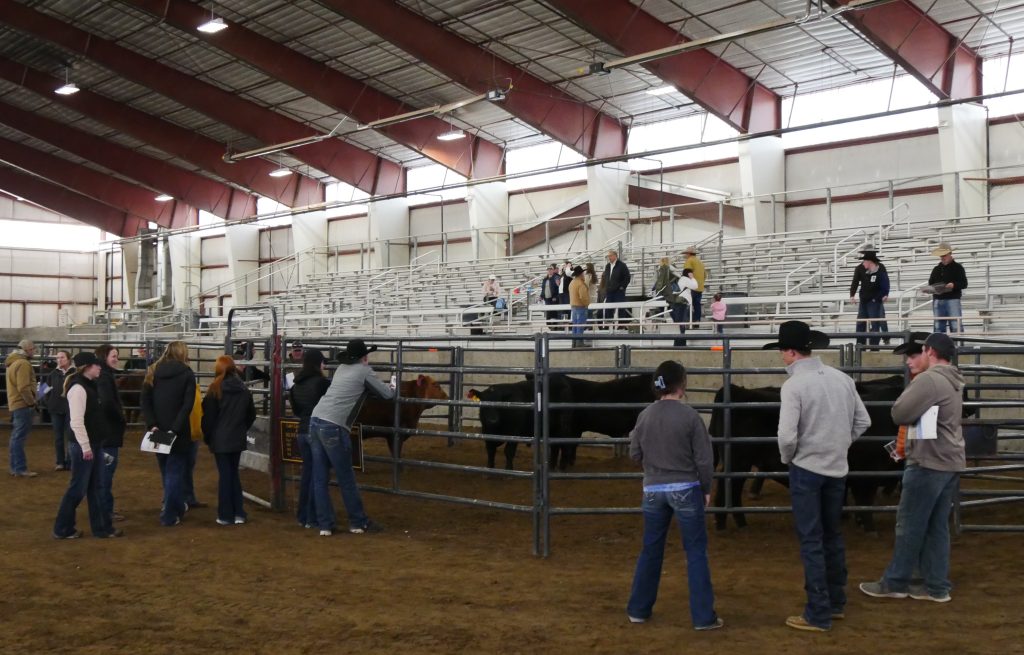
137	201
73	205
471	157
544	106
342	160
253	174
710	81
921	46
200	192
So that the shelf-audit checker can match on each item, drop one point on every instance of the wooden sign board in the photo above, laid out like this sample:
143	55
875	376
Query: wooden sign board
290	443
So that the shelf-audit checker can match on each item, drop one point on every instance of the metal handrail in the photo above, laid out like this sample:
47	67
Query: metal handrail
817	262
243	278
836	256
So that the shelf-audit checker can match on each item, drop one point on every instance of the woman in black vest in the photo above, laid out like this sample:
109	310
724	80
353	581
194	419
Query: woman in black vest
168	394
113	417
87	424
228	413
309	387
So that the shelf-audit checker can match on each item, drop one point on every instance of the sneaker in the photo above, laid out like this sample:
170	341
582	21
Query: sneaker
117	517
369	528
307	525
800	623
636	619
59	467
77	534
878	590
920	593
24	474
240	520
326	533
712	626
112	535
223	522
836	616
177	521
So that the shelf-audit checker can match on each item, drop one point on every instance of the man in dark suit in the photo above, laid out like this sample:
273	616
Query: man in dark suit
617	276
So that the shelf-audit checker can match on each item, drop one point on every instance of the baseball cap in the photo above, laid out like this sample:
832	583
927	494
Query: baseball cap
942	344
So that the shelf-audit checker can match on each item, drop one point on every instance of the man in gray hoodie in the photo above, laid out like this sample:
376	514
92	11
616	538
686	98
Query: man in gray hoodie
929	479
820	416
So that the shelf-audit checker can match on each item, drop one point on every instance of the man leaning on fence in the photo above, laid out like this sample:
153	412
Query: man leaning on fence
820	416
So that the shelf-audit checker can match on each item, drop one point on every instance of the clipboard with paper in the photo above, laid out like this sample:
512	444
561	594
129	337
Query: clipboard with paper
158	441
926	426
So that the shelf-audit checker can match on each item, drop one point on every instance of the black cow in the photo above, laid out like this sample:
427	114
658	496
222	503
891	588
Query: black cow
515	421
864	455
615	423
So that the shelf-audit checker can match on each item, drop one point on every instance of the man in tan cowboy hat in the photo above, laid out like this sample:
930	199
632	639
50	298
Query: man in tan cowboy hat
950	276
694	263
819	417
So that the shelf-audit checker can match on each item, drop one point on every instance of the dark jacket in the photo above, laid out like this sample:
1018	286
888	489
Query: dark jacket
616	279
304	395
226	420
954	273
94	423
873	286
549	289
168	402
56	403
113	410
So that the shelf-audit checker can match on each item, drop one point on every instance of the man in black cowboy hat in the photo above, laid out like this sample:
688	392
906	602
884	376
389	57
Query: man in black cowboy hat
873	280
329	427
820	416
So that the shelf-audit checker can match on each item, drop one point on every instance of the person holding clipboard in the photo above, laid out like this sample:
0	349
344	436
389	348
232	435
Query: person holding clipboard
932	406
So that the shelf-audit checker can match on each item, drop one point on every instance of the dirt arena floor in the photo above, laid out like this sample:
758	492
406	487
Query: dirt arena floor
446	578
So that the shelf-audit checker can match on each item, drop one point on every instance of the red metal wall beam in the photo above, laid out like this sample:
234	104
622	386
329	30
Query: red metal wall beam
293	191
109	190
471	156
344	161
710	81
921	46
544	106
198	191
69	203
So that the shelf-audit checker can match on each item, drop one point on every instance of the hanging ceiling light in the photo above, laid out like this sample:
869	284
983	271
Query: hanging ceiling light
661	90
280	172
163	197
69	87
451	135
214	25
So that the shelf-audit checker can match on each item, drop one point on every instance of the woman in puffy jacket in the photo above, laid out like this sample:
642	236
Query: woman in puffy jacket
309	387
168	394
228	413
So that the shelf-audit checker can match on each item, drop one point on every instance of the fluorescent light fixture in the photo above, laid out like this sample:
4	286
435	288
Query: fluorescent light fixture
451	135
280	172
163	197
212	26
661	90
69	88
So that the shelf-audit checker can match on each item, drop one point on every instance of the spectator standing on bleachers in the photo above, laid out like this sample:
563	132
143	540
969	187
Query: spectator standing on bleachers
21	399
549	293
946	306
616	280
873	280
579	300
492	289
718	312
57	405
666	285
687	285
694	263
593	283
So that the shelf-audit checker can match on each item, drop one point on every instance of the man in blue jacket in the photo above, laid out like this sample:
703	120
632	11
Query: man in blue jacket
873	281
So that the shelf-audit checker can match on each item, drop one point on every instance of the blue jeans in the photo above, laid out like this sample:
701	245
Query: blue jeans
870	309
615	296
188	481
817	510
86	482
680	313
108	478
306	513
688	508
579	322
61	424
229	487
21	425
922	531
947	315
172	469
696	297
332	449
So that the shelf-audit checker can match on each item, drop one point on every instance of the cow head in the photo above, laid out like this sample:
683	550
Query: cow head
473	395
428	387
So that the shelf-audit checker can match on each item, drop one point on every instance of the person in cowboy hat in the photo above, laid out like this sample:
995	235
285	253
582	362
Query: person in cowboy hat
820	416
873	280
329	428
700	274
950	277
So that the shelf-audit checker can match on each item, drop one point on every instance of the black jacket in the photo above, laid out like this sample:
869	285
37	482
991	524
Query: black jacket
168	402
226	420
953	273
56	403
873	286
616	279
304	395
549	289
94	423
113	411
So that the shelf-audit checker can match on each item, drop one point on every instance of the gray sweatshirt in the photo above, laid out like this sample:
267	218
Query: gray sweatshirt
821	416
940	385
351	382
672	444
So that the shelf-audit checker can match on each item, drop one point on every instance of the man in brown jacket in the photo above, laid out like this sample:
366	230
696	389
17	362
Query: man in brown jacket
21	398
579	300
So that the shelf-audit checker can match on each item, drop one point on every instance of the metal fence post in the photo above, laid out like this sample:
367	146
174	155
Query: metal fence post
455	382
541	545
727	420
396	436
